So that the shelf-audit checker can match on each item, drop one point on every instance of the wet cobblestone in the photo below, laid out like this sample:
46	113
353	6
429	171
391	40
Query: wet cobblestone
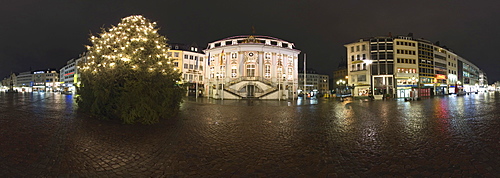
42	136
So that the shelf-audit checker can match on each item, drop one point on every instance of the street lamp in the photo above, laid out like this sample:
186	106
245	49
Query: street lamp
369	71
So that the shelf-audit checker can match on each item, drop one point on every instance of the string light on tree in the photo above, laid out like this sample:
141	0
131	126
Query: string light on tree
128	65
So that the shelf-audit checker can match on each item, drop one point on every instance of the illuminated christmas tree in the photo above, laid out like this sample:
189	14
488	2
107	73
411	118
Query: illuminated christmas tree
128	74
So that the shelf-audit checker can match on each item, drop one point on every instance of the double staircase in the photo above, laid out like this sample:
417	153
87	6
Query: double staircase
250	88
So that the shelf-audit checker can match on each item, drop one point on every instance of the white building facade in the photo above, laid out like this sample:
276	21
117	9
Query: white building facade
69	75
358	67
25	81
189	60
251	66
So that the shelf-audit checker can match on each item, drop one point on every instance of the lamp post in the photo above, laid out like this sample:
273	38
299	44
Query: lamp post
369	71
284	80
217	84
279	87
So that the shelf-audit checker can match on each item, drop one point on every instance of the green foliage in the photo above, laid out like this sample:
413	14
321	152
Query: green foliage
129	76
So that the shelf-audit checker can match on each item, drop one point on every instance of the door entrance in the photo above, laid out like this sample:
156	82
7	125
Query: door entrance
250	90
403	93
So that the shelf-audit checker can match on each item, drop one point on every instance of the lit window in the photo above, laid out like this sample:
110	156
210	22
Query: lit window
267	71
211	60
250	70
234	72
223	71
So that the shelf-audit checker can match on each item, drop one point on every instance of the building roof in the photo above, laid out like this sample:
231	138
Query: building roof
255	36
184	47
251	39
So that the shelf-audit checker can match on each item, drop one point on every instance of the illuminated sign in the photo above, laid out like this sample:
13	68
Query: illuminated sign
69	73
39	72
440	76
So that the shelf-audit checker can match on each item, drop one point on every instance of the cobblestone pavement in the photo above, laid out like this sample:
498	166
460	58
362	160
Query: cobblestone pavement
42	136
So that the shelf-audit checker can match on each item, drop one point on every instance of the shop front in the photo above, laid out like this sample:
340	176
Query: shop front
426	90
442	89
362	90
405	86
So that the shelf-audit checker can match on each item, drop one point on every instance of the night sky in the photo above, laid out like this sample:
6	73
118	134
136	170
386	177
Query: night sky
46	34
